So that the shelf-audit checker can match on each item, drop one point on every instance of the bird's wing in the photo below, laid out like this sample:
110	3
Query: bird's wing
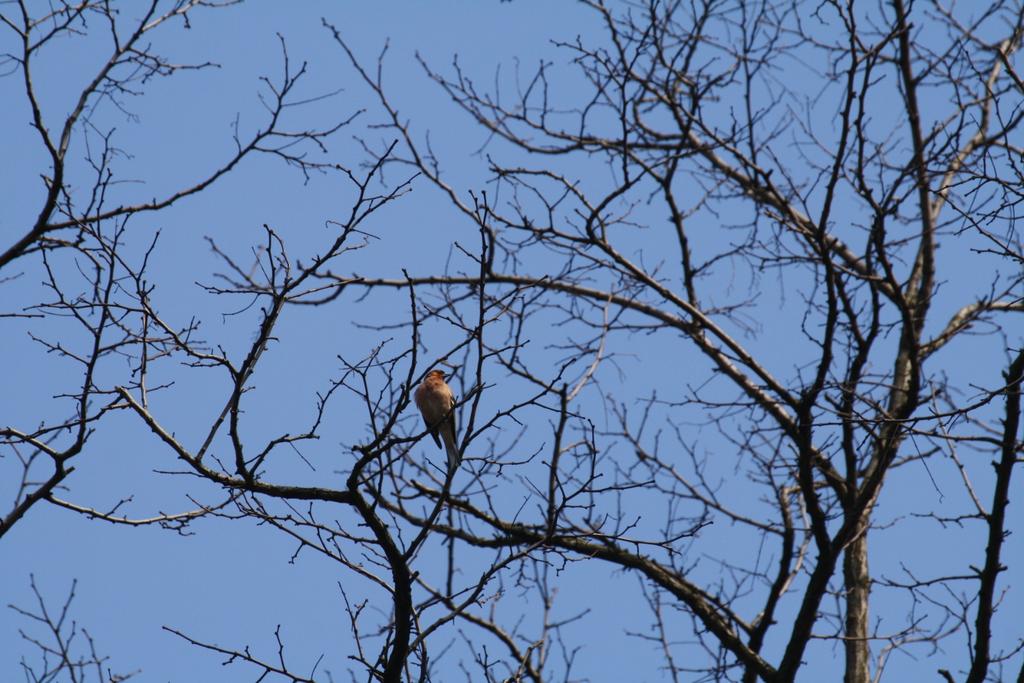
422	398
450	419
448	435
433	432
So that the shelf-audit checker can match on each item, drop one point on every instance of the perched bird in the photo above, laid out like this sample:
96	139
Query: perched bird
437	405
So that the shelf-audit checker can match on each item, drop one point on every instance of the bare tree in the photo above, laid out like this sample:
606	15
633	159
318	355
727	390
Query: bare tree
709	331
80	221
847	198
64	649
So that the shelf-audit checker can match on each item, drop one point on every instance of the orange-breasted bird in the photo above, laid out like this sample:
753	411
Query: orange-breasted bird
437	405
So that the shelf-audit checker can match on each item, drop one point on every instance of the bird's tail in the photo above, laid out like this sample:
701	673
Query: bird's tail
452	449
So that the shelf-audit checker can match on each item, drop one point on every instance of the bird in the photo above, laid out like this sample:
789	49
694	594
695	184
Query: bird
436	402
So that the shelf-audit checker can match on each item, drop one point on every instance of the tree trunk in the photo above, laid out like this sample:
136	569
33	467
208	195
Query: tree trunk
857	581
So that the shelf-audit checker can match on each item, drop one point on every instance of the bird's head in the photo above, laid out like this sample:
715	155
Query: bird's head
436	375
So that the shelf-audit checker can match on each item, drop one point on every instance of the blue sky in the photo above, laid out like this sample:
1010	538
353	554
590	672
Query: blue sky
233	582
